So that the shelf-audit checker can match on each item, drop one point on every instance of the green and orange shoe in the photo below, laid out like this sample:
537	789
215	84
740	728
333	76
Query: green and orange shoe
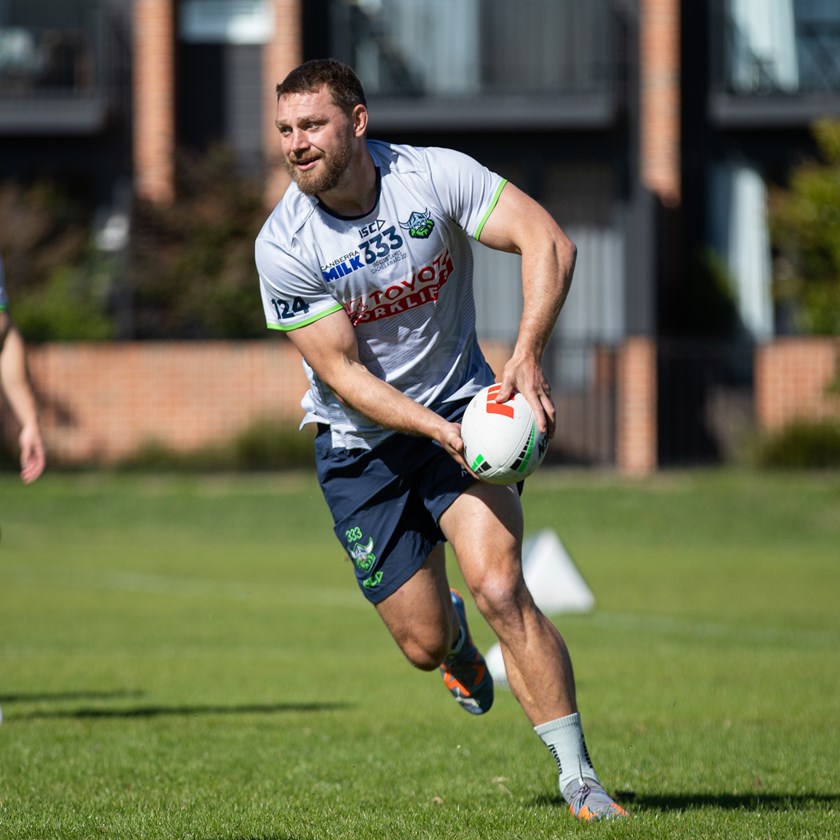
589	801
465	672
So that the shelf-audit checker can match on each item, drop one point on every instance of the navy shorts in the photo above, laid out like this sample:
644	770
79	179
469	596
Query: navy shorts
386	502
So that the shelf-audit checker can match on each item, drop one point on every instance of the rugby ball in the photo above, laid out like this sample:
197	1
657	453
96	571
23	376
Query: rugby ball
502	444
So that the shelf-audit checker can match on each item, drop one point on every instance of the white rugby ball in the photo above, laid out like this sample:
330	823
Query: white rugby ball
502	443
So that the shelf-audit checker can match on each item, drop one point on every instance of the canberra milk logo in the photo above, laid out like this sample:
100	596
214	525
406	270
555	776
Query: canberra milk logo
342	266
419	225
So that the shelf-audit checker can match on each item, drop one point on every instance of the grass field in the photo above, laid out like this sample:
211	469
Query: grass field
187	657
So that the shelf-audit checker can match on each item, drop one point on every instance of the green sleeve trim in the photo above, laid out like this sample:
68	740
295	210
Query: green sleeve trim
490	209
311	320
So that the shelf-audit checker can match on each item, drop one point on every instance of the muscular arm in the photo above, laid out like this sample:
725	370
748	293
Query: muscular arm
520	225
15	384
329	347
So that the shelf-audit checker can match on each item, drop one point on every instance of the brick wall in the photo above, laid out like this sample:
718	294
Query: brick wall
791	380
100	402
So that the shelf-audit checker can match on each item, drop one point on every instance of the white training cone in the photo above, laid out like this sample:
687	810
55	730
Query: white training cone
552	577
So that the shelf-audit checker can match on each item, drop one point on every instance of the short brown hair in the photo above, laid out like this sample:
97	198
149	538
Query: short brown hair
343	84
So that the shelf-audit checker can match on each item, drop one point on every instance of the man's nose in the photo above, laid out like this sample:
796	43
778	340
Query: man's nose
298	140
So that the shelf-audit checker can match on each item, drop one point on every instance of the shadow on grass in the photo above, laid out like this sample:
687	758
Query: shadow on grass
180	711
725	801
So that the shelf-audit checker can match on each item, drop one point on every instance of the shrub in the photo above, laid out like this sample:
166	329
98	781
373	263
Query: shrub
56	286
802	445
191	267
265	445
805	226
66	308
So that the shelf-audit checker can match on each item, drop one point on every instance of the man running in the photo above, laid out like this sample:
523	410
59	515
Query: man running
366	265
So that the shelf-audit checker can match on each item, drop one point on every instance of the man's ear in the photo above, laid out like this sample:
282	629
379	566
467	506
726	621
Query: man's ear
360	120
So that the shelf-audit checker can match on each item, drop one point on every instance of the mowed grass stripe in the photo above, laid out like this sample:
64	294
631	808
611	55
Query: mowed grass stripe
178	586
188	658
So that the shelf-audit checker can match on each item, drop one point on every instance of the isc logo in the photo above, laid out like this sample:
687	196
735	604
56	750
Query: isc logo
371	229
493	407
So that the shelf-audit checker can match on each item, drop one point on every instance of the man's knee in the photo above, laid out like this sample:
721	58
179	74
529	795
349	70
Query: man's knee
500	593
426	650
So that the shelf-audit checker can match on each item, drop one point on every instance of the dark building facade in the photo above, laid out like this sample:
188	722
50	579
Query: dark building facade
649	128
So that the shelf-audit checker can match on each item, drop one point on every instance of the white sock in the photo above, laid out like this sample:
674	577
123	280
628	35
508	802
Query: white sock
565	741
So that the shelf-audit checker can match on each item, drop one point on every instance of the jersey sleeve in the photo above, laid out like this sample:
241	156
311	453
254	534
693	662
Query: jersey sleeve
466	189
292	294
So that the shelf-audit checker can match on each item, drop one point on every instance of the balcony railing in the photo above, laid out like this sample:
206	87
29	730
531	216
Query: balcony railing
458	57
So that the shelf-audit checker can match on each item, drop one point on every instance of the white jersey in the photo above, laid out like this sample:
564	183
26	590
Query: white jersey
403	273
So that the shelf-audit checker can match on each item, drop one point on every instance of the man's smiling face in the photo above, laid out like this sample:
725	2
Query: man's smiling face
316	137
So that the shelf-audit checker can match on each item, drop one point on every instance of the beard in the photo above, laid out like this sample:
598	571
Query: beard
327	174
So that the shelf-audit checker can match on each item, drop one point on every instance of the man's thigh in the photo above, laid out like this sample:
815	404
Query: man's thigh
484	525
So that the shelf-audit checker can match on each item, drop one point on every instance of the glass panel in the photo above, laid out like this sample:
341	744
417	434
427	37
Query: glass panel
737	222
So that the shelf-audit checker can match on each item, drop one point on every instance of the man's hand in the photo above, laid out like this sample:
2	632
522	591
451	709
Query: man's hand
449	437
527	377
33	458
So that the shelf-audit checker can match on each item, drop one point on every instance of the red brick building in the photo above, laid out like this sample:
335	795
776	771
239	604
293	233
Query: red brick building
647	127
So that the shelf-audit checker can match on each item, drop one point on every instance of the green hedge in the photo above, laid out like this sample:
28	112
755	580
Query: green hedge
265	445
802	445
